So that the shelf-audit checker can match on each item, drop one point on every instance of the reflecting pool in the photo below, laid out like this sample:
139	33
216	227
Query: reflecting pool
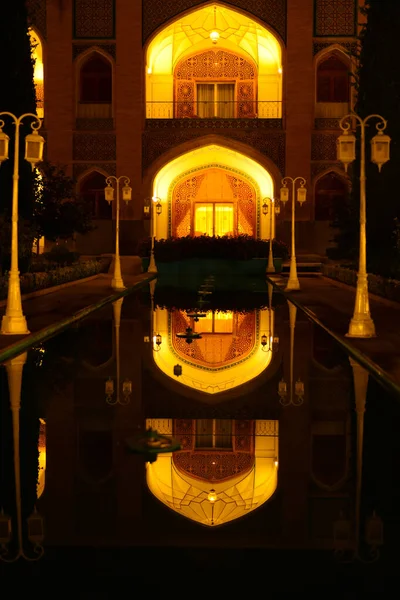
214	430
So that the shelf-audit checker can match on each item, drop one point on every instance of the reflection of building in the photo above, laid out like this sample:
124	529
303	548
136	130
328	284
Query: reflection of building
205	105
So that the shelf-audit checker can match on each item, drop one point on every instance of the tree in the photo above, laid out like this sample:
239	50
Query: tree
59	212
17	96
377	82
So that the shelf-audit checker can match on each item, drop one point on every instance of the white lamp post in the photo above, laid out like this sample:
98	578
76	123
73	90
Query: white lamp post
273	209
127	383
117	282
361	324
297	398
155	204
293	282
14	322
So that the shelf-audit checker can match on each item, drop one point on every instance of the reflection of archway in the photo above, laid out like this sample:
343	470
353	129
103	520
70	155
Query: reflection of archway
243	479
330	453
189	35
331	191
246	178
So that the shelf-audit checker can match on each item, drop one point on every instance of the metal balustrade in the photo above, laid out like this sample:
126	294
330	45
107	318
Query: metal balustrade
261	109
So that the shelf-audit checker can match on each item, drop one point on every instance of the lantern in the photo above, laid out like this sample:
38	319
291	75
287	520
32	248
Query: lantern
109	193
374	530
275	344
34	144
4	140
214	37
159	208
265	208
178	370
35	528
157	341
346	149
282	388
126	193
264	341
277	209
109	387
5	529
380	149
299	388
212	496
146	208
284	194
127	387
301	194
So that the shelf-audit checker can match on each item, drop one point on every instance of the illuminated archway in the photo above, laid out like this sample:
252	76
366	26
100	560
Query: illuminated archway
241	357
203	160
38	75
189	35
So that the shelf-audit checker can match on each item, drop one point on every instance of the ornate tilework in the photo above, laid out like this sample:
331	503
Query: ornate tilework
77	49
327	124
350	47
79	168
157	12
320	167
94	124
245	124
335	17
37	15
323	146
94	19
269	143
92	146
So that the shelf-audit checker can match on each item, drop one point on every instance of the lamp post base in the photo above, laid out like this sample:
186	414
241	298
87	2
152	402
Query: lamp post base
270	269
361	326
152	265
117	284
14	325
292	285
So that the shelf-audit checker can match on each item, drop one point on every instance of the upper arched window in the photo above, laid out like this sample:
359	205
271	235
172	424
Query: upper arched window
92	190
96	80
333	80
330	191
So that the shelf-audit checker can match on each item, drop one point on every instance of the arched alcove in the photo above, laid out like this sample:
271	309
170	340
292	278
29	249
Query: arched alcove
186	41
331	191
332	85
91	188
95	86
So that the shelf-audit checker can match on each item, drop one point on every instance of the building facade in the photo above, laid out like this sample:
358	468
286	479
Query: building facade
204	105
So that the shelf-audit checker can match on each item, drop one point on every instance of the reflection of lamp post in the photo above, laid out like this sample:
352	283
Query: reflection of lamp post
274	209
293	282
35	522
361	324
117	282
154	203
127	383
345	549
14	322
269	343
296	398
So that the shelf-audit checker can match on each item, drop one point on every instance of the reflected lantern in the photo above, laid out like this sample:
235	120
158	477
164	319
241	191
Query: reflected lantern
380	149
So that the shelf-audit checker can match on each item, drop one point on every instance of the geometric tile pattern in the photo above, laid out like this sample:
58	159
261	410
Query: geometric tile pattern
335	17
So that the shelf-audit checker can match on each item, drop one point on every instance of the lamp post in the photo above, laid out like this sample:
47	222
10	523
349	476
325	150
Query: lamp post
127	383
347	547
361	324
150	204
293	282
296	398
14	369
273	209
14	322
117	282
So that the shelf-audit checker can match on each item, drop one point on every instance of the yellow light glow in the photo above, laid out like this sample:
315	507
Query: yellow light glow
214	37
212	496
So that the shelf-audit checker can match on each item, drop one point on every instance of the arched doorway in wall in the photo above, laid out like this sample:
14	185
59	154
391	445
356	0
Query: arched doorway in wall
239	74
94	86
91	189
332	85
212	190
331	191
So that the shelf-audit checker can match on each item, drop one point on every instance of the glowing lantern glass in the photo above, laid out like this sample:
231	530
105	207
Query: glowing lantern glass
34	144
265	208
126	193
284	196
346	149
4	141
380	149
301	195
212	496
109	193
214	37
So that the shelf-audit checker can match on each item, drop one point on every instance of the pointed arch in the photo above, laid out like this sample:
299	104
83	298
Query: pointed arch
38	70
331	189
332	82
94	84
91	186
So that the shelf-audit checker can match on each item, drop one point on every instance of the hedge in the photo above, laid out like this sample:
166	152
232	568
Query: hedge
31	282
387	288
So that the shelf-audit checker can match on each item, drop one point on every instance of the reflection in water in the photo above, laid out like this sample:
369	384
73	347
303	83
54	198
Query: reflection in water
127	383
254	471
296	397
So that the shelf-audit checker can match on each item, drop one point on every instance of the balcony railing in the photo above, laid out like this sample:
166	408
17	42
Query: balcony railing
262	109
